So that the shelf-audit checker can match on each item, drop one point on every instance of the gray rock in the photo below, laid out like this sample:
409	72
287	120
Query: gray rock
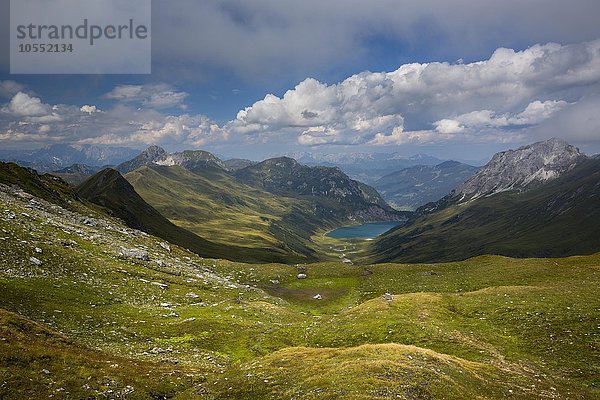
517	170
35	261
302	276
135	253
160	285
165	246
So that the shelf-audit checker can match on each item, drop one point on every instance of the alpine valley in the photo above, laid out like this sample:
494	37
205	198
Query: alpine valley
184	276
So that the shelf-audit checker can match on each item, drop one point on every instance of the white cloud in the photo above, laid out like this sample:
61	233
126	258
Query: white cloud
579	122
501	92
502	99
535	113
24	105
158	96
89	109
449	126
538	111
26	118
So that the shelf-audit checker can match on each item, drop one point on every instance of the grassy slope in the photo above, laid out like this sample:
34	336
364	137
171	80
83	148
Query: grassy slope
490	327
46	187
110	190
38	362
558	219
214	205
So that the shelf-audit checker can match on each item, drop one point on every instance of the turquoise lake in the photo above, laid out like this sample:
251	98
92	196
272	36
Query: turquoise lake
364	231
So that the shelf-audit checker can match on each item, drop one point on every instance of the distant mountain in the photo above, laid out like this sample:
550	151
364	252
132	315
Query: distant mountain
76	173
147	157
237	163
55	157
365	167
528	213
78	169
275	206
521	169
189	159
110	190
285	176
412	187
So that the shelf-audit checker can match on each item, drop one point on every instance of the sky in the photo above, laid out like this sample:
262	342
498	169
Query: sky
456	79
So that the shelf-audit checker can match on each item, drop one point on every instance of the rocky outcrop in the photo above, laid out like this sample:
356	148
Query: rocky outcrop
521	169
189	159
147	157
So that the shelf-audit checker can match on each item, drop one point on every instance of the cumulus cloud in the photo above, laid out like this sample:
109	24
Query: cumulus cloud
508	97
534	113
192	130
26	119
511	89
89	109
159	96
24	105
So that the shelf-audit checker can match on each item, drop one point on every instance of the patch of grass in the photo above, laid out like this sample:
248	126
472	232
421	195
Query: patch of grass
191	327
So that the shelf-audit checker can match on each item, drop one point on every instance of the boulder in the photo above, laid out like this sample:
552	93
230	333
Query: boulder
135	253
35	261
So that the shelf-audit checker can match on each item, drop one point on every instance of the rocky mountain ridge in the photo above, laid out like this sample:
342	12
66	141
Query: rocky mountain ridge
286	176
521	169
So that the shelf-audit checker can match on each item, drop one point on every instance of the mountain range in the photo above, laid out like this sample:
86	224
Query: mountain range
57	157
412	187
133	286
365	167
540	200
271	209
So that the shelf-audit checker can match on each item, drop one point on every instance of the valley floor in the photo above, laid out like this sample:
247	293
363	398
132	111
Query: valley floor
92	309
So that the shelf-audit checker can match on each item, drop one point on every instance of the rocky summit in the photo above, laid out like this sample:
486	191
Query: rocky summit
521	169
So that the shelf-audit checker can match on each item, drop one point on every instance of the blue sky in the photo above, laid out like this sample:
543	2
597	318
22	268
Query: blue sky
455	79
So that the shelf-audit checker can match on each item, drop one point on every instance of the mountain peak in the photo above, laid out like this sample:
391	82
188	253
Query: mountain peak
189	159
517	170
153	152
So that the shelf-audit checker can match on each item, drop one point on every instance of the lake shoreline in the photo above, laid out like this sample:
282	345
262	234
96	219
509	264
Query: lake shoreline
366	231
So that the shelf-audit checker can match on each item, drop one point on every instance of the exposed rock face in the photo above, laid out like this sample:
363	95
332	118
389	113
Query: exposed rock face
147	157
135	253
192	159
285	176
518	170
155	155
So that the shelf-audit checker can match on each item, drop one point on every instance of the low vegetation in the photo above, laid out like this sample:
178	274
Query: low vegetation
93	309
